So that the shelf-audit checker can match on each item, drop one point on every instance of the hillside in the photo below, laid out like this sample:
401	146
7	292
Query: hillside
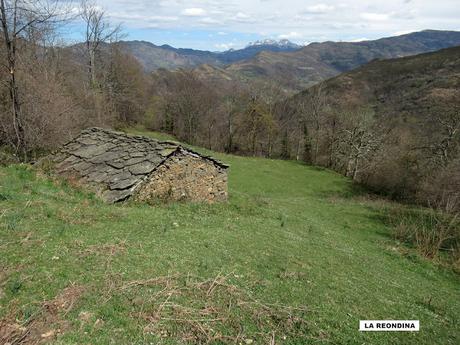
318	61
403	87
153	57
296	256
407	112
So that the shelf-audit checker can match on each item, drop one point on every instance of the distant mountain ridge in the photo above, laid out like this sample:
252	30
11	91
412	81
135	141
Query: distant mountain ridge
153	57
292	67
302	68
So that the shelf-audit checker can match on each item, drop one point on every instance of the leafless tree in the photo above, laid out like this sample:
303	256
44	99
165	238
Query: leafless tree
449	122
19	18
230	109
270	95
187	107
311	110
359	141
97	32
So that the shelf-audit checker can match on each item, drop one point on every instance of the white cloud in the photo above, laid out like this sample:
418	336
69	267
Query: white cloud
374	16
320	8
194	12
298	20
225	46
208	20
291	35
243	18
359	39
242	15
402	32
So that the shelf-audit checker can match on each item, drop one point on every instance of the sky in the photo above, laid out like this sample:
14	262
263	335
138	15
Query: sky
221	25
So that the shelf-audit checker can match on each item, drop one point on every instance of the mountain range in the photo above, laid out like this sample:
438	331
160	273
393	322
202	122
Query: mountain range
153	57
292	67
302	68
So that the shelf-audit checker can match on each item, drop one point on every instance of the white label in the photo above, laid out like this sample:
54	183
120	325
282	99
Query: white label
389	325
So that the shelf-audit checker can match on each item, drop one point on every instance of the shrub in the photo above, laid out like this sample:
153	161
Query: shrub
7	158
431	232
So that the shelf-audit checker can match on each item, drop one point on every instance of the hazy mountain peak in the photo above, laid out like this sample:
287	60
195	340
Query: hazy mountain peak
284	43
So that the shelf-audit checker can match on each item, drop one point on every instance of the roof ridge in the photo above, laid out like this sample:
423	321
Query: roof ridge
128	135
144	138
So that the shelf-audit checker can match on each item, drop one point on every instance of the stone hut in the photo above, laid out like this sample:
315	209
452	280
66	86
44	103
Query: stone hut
118	167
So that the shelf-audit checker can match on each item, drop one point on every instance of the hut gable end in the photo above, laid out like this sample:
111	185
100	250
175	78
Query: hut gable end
117	166
185	175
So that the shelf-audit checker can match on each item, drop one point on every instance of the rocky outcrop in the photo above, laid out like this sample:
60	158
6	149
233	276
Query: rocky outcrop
117	166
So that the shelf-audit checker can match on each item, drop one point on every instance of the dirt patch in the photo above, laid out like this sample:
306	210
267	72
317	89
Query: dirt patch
3	276
43	326
107	249
190	310
291	275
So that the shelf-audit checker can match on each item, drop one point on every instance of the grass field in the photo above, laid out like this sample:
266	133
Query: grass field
296	256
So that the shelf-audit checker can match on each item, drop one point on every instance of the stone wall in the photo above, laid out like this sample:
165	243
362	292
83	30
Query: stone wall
185	176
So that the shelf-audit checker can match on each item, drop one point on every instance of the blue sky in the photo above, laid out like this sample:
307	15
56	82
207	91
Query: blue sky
221	25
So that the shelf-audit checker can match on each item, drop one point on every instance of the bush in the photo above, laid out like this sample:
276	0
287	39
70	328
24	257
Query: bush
7	158
431	232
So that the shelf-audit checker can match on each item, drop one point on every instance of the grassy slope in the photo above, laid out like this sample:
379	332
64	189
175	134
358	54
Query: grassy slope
290	235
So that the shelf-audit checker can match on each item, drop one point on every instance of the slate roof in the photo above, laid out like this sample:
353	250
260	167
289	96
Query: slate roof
115	163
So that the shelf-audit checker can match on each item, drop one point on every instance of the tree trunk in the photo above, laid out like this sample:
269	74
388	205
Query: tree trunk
349	172
230	134
190	119
16	112
316	142
269	145
253	143
91	50
355	169
210	136
332	141
299	145
10	45
306	144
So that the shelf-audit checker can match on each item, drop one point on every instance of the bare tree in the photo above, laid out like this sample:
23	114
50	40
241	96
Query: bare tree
304	121
97	32
124	85
18	17
359	141
187	106
311	111
230	111
271	94
332	128
449	122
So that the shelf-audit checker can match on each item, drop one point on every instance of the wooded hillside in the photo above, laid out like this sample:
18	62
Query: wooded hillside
392	124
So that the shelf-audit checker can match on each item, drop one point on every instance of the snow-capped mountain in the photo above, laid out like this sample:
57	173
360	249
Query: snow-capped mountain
284	43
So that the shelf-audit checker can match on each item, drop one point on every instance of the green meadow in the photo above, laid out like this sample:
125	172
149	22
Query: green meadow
298	255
